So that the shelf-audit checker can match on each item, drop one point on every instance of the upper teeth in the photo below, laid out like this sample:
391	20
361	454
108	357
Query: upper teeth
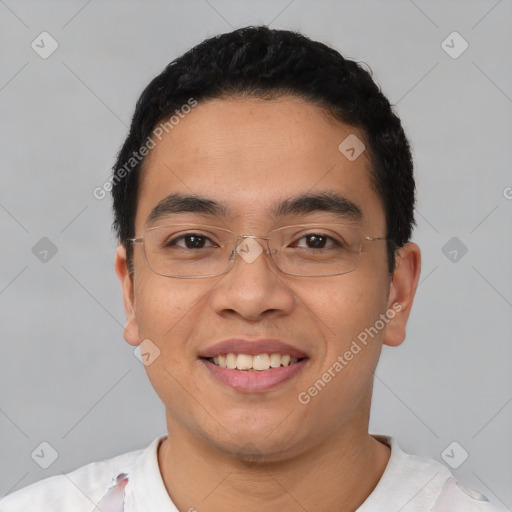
247	362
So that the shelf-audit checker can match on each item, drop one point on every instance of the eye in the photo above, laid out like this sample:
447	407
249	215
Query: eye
318	241
189	241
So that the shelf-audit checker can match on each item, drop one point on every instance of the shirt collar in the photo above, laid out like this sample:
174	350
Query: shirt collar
409	482
146	489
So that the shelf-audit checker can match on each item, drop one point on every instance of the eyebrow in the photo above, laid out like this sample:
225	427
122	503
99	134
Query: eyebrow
304	204
329	202
177	203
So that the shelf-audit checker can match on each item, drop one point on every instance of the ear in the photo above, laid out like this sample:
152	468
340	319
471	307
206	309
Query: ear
401	292
131	328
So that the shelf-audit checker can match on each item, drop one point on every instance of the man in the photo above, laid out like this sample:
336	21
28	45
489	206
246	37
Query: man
263	203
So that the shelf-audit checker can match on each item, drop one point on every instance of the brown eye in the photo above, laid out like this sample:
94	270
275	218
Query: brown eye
316	241
194	241
188	241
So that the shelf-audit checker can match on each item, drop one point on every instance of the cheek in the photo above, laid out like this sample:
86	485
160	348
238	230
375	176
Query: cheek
346	306
167	314
346	311
163	303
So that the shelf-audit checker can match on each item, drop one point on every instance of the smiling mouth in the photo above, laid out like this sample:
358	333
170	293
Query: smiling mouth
257	363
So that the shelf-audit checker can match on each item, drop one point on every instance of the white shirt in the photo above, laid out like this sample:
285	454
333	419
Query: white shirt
132	483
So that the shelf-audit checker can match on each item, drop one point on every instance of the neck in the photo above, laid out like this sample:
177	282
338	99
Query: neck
338	474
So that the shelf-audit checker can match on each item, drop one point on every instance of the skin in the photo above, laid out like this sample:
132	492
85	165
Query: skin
247	153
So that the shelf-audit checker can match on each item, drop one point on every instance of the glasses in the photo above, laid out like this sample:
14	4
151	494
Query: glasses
306	250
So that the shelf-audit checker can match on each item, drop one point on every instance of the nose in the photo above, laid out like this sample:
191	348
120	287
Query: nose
253	287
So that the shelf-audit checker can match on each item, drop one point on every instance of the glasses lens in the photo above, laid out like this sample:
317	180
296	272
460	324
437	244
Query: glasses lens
187	250
309	250
316	250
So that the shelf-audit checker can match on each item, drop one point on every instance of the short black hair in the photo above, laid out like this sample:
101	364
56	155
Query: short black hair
266	63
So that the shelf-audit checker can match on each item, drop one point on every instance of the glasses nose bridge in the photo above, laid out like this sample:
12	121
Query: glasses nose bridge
262	237
239	240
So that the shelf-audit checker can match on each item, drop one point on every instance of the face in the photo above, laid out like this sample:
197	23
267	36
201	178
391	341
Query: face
249	155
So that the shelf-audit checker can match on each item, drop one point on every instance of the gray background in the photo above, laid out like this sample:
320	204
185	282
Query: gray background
66	375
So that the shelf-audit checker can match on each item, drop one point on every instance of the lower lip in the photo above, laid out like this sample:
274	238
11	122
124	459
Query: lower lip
256	380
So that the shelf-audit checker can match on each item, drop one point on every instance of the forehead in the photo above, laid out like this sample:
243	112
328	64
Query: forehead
249	153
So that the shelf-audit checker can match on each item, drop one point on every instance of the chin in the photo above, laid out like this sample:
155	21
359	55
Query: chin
271	440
